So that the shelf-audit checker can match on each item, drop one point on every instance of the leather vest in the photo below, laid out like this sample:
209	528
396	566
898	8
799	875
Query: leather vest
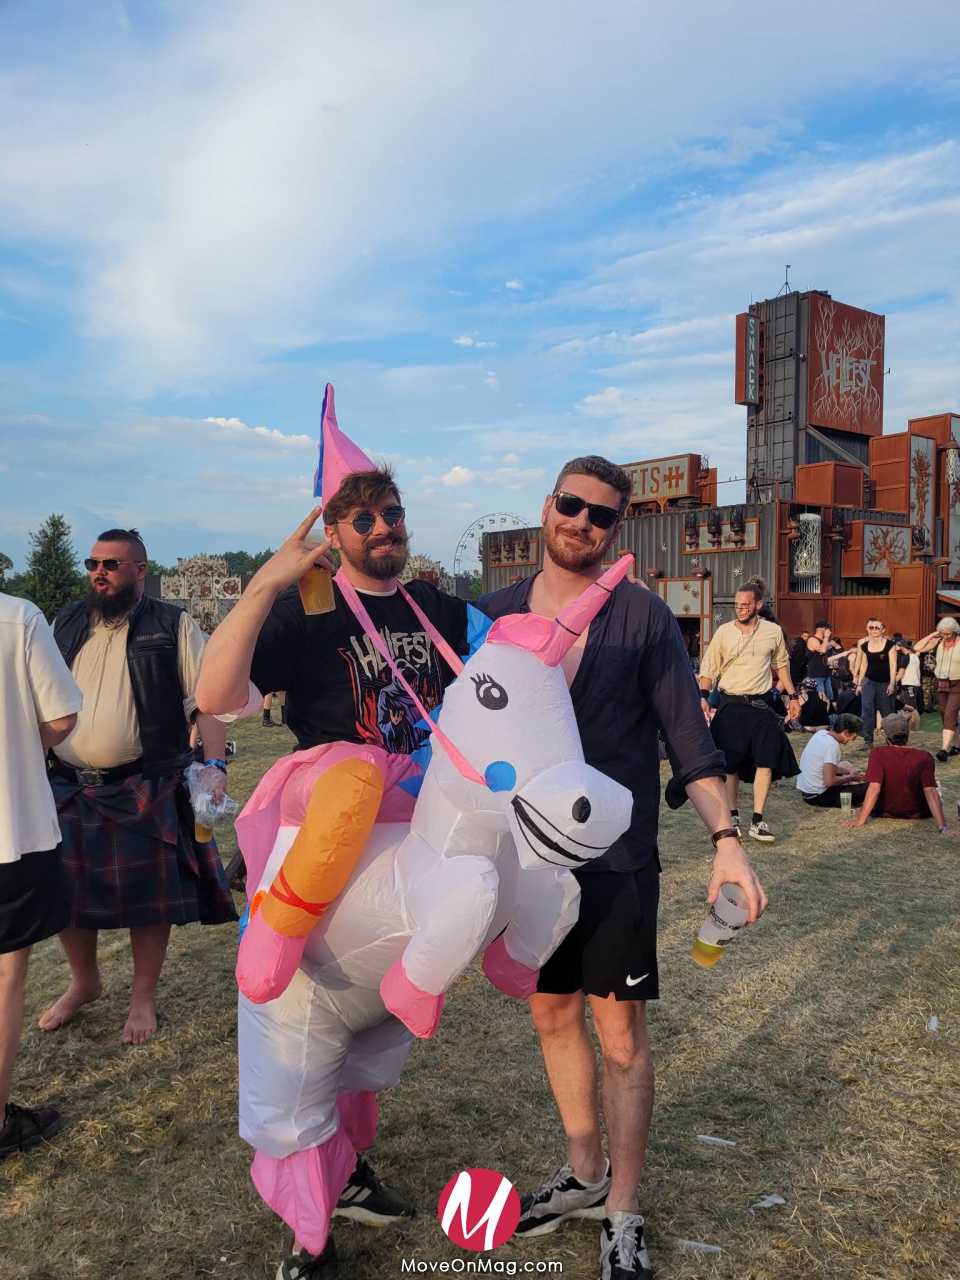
154	675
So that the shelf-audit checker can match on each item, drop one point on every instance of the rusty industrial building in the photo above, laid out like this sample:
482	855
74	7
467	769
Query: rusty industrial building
842	521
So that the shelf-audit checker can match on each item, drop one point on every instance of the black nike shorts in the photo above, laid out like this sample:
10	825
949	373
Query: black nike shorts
612	949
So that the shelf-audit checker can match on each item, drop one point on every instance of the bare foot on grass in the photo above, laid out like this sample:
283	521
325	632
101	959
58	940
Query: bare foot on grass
74	998
141	1023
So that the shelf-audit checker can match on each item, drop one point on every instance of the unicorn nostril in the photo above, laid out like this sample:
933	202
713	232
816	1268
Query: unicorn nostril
581	809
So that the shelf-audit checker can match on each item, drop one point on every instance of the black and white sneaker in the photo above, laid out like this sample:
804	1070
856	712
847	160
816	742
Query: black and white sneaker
623	1252
308	1266
561	1196
760	831
366	1199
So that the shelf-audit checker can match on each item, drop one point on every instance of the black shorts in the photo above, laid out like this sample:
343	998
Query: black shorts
612	949
33	900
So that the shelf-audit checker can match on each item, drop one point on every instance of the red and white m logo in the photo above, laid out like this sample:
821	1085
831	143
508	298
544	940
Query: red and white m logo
475	1199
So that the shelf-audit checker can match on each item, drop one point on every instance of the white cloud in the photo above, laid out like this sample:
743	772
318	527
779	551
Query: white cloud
491	379
234	425
513	284
471	340
458	476
216	201
512	477
609	403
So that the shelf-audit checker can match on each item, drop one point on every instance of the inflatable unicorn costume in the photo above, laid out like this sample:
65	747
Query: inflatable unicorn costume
366	907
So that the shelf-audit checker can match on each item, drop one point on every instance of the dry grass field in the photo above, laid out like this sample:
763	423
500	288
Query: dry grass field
807	1046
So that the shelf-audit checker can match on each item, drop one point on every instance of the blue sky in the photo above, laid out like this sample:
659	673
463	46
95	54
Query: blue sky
506	233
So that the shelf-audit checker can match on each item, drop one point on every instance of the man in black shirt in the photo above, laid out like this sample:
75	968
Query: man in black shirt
630	679
338	686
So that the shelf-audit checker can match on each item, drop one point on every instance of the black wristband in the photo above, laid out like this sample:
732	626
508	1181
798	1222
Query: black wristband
704	697
722	835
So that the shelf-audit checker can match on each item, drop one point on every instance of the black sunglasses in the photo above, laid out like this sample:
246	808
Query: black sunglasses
111	564
601	517
364	521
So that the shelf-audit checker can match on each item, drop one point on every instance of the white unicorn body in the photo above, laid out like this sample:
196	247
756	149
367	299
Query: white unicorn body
480	868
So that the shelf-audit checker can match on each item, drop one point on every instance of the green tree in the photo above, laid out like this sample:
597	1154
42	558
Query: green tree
243	562
154	566
6	564
53	576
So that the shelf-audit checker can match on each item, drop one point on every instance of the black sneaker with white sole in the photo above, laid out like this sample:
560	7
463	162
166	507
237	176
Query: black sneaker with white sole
366	1199
561	1196
308	1266
623	1251
760	831
25	1127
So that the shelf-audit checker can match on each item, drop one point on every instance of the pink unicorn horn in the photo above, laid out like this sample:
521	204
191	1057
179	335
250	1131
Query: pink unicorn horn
571	623
551	640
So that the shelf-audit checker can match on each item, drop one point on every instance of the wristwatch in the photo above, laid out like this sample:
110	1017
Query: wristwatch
722	835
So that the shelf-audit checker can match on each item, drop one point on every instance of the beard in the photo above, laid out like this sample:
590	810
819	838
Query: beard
379	567
109	608
573	556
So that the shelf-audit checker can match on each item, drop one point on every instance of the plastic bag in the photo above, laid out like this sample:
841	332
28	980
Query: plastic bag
202	780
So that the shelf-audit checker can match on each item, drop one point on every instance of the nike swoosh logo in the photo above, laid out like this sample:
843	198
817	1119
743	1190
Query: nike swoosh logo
632	982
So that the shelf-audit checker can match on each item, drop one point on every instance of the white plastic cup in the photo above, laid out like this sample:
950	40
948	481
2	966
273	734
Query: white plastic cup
727	917
846	803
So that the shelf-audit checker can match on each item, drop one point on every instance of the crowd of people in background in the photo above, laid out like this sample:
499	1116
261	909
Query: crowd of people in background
835	694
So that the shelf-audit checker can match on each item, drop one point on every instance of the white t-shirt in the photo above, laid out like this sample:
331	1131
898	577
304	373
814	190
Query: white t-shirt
911	672
35	686
820	750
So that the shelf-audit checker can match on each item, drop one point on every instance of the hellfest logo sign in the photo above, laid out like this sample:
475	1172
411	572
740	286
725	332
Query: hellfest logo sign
479	1209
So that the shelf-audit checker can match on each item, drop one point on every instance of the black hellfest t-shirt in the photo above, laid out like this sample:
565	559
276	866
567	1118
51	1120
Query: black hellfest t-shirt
338	686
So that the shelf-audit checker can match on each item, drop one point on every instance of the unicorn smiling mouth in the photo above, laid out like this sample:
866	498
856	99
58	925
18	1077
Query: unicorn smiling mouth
529	828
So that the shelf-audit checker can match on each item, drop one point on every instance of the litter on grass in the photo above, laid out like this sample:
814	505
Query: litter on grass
933	1024
699	1246
767	1202
715	1142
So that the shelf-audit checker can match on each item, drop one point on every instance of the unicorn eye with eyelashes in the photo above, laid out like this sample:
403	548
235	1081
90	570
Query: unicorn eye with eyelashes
491	695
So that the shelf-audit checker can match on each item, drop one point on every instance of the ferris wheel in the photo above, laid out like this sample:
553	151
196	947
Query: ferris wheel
467	556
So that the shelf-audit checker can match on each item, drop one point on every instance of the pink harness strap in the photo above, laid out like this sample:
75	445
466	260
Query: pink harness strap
453	662
360	613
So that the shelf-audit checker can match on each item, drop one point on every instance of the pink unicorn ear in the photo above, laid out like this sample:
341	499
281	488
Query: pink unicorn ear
550	641
338	455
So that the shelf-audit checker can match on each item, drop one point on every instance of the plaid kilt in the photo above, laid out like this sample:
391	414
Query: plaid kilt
129	857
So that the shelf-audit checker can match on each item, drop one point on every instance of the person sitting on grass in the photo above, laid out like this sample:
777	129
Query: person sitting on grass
901	780
823	774
814	709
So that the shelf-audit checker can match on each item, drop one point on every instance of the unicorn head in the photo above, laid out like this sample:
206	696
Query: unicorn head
509	713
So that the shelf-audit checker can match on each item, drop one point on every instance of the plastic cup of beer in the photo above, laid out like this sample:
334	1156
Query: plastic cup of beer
727	917
316	587
201	833
846	803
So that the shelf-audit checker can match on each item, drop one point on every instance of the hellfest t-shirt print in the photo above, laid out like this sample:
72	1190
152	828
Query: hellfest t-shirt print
338	687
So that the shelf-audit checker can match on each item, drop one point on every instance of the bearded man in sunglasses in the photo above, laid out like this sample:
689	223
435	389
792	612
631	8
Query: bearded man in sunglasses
129	851
339	688
630	678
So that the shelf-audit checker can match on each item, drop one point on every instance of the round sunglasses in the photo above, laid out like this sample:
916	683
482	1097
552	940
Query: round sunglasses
364	521
601	517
